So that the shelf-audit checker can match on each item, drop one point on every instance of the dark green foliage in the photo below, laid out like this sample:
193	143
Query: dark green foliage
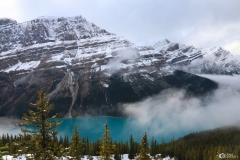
3	149
9	141
153	150
196	146
39	141
131	148
117	155
76	146
66	141
144	149
106	147
58	148
205	145
85	145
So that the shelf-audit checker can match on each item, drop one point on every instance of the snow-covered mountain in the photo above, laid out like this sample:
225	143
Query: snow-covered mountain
61	42
66	41
198	61
85	69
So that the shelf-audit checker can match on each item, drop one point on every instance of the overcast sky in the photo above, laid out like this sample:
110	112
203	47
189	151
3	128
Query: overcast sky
202	23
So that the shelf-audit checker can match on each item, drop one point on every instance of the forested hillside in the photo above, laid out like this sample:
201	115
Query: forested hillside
205	145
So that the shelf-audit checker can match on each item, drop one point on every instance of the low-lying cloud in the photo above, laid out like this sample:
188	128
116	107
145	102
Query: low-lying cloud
173	113
8	126
122	55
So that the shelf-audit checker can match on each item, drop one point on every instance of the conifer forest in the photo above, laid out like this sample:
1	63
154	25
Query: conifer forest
43	142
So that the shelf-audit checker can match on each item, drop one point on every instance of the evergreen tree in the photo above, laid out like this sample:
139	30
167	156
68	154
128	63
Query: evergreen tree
85	146
3	149
131	148
76	146
96	147
117	155
66	141
58	148
144	149
162	147
92	151
236	152
106	147
61	140
153	150
39	139
136	148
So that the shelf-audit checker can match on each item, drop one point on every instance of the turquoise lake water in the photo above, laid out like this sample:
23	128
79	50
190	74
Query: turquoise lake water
120	129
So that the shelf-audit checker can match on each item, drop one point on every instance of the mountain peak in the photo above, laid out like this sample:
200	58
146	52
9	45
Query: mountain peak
60	19
6	21
48	29
163	42
85	69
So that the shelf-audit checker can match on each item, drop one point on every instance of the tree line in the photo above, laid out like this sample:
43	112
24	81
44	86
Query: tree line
42	142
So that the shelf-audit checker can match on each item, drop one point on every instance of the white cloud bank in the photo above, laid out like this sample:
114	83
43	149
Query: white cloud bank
7	125
114	64
173	113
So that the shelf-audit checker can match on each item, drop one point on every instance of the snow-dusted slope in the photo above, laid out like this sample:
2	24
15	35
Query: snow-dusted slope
72	60
67	41
85	69
47	29
207	61
49	42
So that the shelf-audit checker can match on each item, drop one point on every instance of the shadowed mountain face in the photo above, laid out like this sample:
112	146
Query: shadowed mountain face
90	94
83	69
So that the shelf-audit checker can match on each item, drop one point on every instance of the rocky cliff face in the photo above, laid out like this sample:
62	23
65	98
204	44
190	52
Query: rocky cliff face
198	61
6	21
86	70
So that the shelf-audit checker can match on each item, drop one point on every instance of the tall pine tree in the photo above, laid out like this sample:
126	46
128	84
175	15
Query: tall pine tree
40	137
153	150
144	149
58	148
106	147
76	146
117	156
131	148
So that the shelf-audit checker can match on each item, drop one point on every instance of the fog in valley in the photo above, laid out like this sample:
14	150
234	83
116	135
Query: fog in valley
174	113
6	125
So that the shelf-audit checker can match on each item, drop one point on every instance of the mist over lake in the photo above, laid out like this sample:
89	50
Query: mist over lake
166	115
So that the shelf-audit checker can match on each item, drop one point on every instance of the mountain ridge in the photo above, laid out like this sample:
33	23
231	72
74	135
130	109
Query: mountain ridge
214	60
56	34
84	69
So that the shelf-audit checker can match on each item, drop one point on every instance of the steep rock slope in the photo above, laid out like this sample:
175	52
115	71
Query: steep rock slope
82	68
7	21
198	61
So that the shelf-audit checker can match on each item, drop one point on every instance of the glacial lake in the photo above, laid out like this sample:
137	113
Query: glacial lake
120	129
